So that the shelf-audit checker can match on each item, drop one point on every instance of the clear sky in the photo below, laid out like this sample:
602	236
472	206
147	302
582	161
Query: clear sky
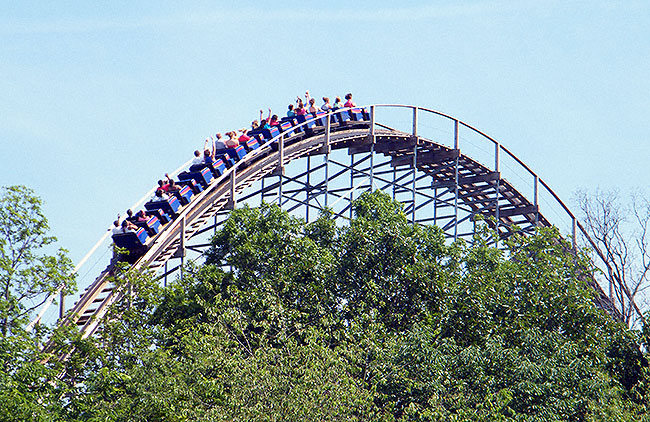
98	101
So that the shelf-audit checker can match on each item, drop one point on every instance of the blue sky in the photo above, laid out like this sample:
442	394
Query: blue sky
99	101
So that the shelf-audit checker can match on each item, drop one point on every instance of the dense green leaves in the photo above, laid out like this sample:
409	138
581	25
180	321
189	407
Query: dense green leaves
30	270
374	320
27	275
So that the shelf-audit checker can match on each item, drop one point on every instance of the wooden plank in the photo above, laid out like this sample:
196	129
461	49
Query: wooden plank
359	149
487	177
382	146
509	212
426	157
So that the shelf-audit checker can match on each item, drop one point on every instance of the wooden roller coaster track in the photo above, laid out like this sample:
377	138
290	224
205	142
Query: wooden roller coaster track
455	182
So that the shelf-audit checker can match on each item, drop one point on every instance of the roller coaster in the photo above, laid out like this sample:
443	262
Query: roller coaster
326	160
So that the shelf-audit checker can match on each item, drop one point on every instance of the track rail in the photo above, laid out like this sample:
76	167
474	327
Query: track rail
461	183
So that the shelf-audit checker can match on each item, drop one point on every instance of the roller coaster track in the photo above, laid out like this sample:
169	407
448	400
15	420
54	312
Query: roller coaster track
436	182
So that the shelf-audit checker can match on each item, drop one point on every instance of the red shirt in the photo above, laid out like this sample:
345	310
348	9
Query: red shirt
244	138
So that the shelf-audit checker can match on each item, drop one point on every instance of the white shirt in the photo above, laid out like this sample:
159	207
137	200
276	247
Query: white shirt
159	198
119	230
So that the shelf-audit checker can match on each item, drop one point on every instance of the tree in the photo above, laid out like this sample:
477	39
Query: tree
620	235
376	320
27	275
30	388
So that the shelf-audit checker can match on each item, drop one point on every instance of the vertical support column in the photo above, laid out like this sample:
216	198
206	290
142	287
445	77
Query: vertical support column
165	278
435	205
372	147
456	146
536	199
372	123
328	132
232	204
394	181
574	242
181	248
280	190
327	177
182	268
497	163
372	166
415	166
61	305
279	171
326	151
415	121
281	154
308	190
351	183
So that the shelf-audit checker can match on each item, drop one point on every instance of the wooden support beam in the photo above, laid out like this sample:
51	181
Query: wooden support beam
466	182
509	212
487	177
426	157
382	146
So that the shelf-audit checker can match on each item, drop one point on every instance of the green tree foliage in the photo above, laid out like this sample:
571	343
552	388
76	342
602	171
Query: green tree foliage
27	274
30	389
375	320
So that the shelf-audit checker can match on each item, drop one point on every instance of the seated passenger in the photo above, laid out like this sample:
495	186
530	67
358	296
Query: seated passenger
262	119
130	216
219	143
163	186
274	121
209	145
244	137
159	195
232	141
166	184
313	108
126	227
173	187
291	113
116	229
254	125
198	158
337	104
142	217
264	125
300	108
207	157
326	104
349	102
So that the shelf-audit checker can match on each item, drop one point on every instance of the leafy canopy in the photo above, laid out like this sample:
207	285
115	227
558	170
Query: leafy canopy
376	320
28	274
